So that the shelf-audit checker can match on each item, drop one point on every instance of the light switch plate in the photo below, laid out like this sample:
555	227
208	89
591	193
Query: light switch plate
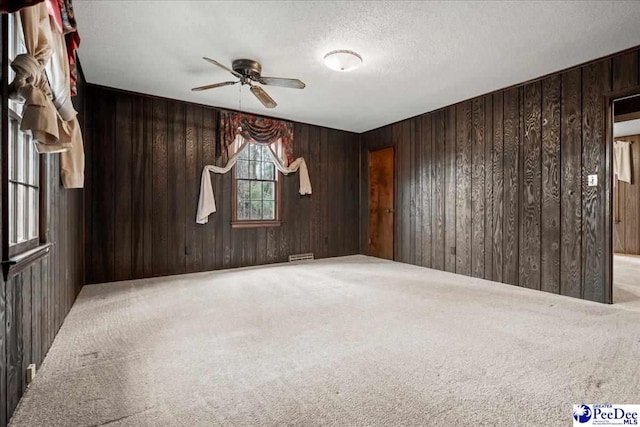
592	180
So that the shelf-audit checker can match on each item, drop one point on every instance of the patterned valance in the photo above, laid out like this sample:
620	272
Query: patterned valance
253	129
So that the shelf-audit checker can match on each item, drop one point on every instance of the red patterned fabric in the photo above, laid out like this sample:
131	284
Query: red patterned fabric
72	38
73	42
254	129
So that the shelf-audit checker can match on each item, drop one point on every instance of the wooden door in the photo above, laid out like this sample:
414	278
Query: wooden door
381	208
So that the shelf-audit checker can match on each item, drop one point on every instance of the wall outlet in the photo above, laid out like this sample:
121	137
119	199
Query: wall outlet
592	180
31	372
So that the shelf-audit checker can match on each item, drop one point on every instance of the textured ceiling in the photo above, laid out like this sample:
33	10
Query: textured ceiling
418	56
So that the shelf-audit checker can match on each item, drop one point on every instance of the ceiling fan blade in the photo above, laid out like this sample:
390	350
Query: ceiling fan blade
263	97
224	67
278	81
215	85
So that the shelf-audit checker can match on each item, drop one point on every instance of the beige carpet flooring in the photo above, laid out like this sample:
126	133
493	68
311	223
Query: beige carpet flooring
626	281
352	341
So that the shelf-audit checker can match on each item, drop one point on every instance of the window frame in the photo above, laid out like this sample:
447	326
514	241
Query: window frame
254	223
38	163
18	257
14	115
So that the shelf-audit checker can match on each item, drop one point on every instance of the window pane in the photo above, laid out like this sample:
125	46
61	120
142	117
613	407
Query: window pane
21	214
23	163
268	190
19	157
26	158
33	162
33	213
243	190
244	154
256	209
265	154
242	169
256	190
12	215
13	132
243	210
268	171
255	170
254	152
268	211
256	182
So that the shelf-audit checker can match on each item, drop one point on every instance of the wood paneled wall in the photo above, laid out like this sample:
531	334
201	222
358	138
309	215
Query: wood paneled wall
496	187
35	302
146	156
626	229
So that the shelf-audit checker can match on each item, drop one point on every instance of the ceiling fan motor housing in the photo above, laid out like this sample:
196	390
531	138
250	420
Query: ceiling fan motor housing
248	68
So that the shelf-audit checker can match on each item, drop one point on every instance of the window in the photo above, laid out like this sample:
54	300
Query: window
256	188
23	166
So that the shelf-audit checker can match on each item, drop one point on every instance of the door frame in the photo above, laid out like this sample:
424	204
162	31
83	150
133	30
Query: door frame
608	99
369	151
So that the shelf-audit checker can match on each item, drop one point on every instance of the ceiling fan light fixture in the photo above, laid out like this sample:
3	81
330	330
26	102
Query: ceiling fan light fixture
250	72
342	60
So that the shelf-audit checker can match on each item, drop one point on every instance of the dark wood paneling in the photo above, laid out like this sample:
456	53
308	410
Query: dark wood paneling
403	185
176	188
164	145
624	69
423	191
137	174
102	180
488	188
463	188
415	199
193	138
160	186
550	209
531	189
13	333
571	184
438	192
478	206
512	167
498	187
511	143
596	80
38	298
450	189
123	200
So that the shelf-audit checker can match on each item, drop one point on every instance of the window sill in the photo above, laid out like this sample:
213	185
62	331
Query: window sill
255	224
22	261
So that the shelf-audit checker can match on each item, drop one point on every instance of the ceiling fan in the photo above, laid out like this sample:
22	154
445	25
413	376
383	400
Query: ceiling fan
248	71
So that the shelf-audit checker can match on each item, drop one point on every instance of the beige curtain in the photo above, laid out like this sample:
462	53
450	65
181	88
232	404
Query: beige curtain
48	113
207	202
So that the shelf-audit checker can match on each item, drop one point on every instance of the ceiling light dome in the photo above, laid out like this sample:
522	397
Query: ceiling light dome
342	60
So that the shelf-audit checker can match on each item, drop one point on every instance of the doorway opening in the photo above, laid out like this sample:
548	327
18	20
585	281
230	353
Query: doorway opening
626	201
